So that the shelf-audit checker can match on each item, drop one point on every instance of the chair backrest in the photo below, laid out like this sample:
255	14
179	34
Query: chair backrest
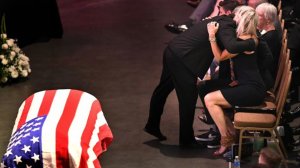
284	35
282	62
282	22
283	97
283	51
279	5
287	68
279	15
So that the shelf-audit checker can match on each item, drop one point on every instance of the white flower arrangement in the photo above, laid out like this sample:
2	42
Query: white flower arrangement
14	63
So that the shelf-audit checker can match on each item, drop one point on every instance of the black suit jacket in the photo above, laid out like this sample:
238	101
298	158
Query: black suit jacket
265	62
194	49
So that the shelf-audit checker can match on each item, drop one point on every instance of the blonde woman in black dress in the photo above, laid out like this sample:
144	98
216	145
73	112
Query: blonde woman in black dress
248	88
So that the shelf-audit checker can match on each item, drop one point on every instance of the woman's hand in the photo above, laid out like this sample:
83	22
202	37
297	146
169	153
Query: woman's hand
212	28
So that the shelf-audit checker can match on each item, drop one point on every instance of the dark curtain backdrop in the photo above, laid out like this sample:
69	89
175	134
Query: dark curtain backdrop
31	20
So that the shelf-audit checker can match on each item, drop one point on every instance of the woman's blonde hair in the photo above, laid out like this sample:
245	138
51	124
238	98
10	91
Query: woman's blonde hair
246	19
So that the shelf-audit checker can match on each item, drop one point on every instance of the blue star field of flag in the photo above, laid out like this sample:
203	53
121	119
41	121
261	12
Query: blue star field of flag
24	148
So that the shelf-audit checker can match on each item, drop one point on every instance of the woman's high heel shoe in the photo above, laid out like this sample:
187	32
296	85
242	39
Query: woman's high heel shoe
226	142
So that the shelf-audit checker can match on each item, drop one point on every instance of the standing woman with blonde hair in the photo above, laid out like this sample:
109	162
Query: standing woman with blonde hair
248	88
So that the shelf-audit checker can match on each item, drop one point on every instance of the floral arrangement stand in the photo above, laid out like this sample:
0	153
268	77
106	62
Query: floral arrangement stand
14	64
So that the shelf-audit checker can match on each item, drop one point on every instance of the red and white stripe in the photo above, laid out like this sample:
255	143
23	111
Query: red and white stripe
75	131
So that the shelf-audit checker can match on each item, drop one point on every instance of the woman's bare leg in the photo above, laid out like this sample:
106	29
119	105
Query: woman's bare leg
214	102
229	126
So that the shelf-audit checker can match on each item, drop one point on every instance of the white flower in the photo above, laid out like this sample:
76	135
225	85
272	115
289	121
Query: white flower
12	53
20	62
24	73
11	57
20	68
4	61
23	57
4	46
25	63
27	67
16	49
11	69
4	79
3	36
13	62
14	74
10	42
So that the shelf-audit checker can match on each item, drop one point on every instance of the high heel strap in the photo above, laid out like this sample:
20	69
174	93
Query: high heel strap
227	141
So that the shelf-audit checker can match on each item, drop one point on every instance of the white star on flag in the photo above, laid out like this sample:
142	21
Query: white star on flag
37	124
35	157
18	142
36	129
34	139
23	126
27	166
2	165
28	129
18	159
30	124
38	119
21	131
19	137
26	135
26	149
8	153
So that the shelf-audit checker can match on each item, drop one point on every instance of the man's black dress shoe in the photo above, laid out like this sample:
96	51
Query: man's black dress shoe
176	28
156	133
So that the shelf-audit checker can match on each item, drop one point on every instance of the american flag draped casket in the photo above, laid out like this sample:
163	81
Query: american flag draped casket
61	128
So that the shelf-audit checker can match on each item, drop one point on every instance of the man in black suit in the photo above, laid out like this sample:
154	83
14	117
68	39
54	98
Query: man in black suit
185	58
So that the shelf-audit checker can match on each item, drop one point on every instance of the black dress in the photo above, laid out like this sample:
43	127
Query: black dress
274	43
251	89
